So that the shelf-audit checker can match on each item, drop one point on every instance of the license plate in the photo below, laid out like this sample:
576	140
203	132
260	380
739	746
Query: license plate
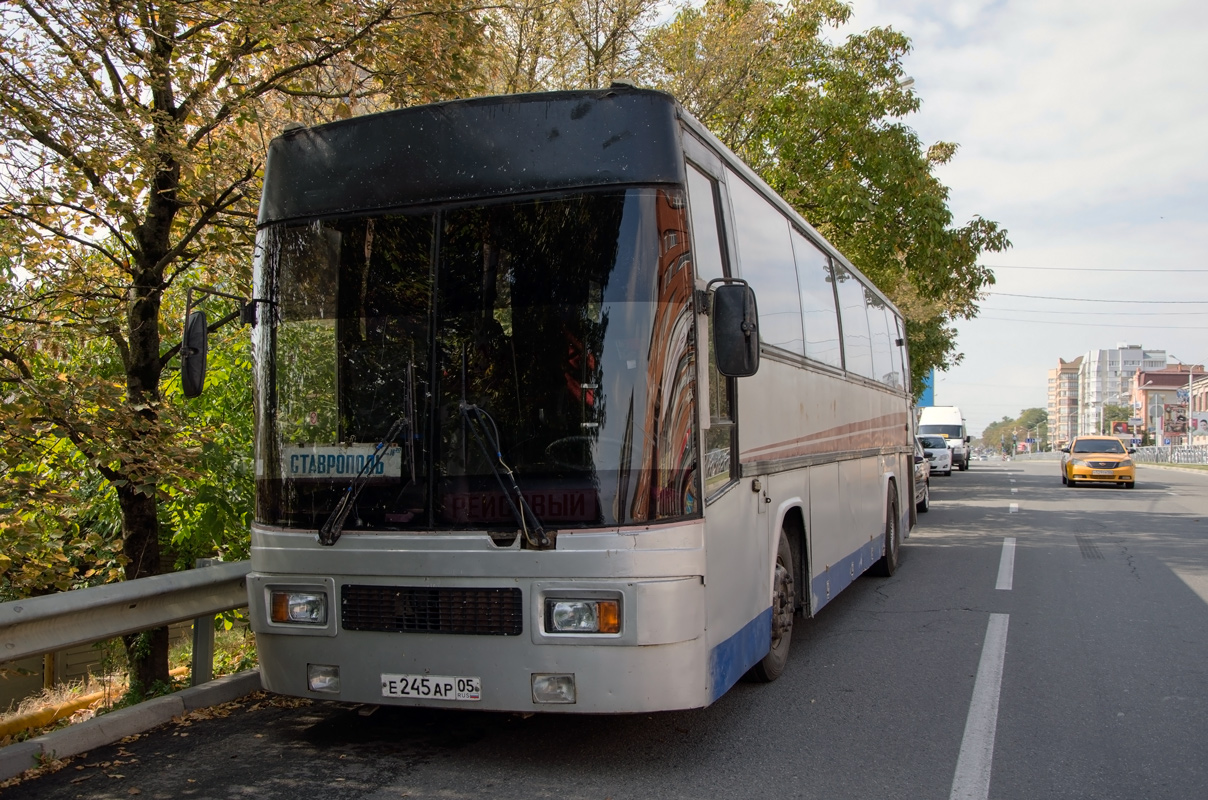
463	688
1104	472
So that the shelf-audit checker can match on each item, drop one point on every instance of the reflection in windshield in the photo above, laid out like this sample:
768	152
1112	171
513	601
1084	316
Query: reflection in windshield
1098	446
567	319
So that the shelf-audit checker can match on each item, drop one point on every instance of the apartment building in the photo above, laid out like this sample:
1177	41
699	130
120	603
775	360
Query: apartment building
1063	401
1105	378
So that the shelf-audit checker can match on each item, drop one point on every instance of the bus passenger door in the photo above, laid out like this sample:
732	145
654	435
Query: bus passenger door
736	584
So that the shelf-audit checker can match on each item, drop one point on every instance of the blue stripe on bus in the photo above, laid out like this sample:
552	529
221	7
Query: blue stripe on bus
730	660
829	583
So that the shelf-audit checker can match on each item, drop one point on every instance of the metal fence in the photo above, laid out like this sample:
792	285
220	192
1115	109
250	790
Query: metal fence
56	622
1171	454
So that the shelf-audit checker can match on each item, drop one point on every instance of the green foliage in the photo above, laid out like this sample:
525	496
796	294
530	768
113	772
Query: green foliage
1005	432
207	512
134	140
537	45
821	123
234	648
136	143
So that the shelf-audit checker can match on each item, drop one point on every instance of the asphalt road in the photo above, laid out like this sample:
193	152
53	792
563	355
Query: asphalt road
1036	642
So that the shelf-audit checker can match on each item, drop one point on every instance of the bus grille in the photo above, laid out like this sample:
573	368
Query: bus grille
414	609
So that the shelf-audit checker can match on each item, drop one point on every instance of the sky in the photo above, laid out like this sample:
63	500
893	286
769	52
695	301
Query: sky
1082	128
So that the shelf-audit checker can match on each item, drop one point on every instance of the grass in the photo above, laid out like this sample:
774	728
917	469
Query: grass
234	651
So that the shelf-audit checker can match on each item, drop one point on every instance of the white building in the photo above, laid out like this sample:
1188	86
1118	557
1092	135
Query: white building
1105	377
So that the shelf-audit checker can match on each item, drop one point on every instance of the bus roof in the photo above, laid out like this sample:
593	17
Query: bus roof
464	149
485	147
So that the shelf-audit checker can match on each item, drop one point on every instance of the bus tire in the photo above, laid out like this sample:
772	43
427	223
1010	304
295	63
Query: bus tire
888	564
783	608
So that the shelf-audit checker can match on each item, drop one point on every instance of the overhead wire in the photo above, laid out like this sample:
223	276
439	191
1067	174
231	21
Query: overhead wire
1097	300
1091	269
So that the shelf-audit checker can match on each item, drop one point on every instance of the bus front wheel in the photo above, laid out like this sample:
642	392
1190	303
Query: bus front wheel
888	564
783	608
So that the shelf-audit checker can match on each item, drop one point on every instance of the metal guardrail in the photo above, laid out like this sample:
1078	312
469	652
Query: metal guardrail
58	621
1172	454
1150	454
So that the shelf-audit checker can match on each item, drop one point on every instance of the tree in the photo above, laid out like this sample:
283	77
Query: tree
1018	429
564	44
134	134
1115	413
820	122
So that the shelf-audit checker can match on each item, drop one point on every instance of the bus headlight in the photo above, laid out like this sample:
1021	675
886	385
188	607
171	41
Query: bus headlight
306	608
582	616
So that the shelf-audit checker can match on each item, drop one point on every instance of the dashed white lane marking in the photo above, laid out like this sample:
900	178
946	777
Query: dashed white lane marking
972	779
1006	564
1014	490
1013	508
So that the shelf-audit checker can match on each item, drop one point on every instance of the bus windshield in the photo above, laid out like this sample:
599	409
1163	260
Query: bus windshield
947	431
565	318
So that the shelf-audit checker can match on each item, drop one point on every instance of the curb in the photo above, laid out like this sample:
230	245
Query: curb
1171	467
110	728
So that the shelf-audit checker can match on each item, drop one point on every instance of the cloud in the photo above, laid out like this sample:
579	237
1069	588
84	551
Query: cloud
1081	128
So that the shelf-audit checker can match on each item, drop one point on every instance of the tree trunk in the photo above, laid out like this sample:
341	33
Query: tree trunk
147	653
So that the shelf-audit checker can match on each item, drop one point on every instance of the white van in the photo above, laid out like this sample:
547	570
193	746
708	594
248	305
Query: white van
947	421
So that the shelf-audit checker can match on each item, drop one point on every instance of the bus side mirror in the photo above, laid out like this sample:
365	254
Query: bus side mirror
193	348
735	330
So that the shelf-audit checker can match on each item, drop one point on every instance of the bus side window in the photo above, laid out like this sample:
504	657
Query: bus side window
709	262
821	319
903	354
857	343
880	329
765	258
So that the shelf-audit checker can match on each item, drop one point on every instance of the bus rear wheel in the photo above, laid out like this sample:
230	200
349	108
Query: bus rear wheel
888	564
783	608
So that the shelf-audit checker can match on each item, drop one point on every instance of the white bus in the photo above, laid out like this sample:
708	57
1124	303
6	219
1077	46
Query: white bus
560	408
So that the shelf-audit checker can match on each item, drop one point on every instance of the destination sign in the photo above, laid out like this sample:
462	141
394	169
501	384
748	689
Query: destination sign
338	462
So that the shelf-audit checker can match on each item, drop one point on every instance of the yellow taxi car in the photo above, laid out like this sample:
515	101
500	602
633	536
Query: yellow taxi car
1097	459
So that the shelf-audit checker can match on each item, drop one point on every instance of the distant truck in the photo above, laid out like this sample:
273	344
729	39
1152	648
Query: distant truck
947	421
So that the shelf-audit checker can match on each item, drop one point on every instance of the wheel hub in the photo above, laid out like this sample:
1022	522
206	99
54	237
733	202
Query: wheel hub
782	607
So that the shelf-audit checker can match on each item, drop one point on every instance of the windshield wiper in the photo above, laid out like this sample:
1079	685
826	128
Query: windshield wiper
487	437
334	526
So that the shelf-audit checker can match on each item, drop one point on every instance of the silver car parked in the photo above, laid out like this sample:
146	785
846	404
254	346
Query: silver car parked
936	448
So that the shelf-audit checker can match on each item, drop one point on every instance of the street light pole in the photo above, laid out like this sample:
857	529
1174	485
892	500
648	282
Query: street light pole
1190	381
